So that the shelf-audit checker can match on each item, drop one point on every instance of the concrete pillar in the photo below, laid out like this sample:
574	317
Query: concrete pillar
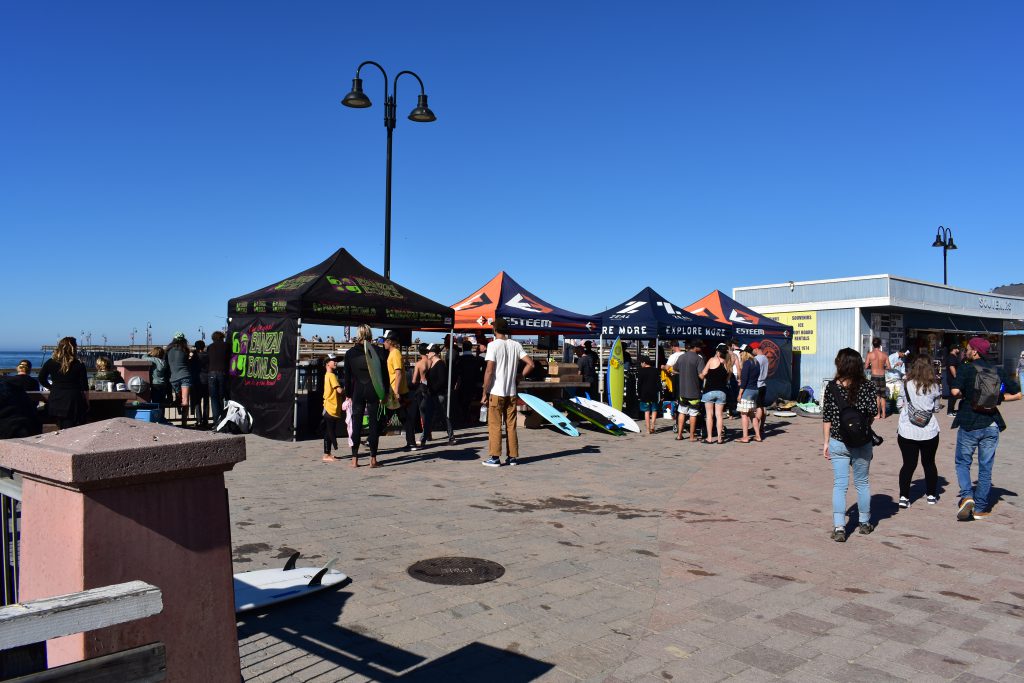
135	367
121	500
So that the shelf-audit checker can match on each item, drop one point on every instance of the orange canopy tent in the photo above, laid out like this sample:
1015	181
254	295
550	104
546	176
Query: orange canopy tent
524	311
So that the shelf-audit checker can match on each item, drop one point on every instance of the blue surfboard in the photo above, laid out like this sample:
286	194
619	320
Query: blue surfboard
545	410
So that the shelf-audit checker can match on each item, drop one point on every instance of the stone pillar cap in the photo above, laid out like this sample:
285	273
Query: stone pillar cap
120	451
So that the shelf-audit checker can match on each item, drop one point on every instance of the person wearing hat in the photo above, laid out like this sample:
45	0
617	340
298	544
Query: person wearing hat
332	407
180	374
981	386
435	395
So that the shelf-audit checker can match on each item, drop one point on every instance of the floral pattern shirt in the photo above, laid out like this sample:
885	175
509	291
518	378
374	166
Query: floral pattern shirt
866	402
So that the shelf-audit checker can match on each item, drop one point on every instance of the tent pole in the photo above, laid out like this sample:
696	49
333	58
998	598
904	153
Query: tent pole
600	368
451	364
295	391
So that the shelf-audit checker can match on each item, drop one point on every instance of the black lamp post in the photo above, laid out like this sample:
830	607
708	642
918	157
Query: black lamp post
944	239
357	99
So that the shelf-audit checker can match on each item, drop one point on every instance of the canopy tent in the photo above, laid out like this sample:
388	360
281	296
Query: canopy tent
649	315
264	330
524	311
749	326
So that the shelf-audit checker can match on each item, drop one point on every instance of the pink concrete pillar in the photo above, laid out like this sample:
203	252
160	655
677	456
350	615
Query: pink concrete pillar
121	500
135	367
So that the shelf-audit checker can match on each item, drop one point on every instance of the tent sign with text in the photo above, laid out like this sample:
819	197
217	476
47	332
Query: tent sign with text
262	371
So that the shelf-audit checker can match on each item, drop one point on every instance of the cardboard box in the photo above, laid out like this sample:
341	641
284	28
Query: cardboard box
565	378
558	369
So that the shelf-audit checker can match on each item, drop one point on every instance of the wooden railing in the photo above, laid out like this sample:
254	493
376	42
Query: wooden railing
10	535
63	615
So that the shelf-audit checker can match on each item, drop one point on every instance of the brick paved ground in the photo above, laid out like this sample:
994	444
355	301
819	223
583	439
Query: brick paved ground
631	559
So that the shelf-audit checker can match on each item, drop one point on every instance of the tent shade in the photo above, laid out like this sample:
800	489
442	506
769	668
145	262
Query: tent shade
341	290
746	322
524	311
647	315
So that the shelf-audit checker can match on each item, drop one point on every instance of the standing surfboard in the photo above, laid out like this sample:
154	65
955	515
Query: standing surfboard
615	417
616	375
544	409
373	365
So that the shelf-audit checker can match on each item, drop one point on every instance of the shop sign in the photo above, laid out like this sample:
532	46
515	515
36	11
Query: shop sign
805	329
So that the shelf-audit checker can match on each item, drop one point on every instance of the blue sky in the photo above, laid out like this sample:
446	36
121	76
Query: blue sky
159	158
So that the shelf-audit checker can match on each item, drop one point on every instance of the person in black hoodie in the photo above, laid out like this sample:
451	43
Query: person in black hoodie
359	385
66	378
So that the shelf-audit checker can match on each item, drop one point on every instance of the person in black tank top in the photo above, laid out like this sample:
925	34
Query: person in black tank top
716	382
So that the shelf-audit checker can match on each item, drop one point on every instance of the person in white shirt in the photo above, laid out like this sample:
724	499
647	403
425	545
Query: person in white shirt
897	361
919	394
500	376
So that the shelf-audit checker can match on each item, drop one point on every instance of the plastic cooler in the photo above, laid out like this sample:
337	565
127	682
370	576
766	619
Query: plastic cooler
147	412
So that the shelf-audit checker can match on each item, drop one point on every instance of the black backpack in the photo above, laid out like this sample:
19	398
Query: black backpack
985	394
854	426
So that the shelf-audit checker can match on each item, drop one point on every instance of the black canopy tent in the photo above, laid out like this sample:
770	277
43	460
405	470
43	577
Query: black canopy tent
264	330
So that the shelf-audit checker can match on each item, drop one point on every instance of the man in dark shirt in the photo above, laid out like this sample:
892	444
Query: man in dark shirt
688	369
469	383
24	378
585	362
952	366
216	379
978	431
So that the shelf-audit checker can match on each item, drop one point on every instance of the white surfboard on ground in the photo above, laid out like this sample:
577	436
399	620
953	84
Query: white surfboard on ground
264	587
616	417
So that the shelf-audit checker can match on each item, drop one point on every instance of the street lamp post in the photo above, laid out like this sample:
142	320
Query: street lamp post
944	239
357	99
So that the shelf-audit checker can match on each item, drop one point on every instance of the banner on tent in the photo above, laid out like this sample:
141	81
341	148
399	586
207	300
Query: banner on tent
262	371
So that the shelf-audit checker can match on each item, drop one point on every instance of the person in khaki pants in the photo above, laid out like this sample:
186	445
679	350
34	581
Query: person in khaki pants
503	356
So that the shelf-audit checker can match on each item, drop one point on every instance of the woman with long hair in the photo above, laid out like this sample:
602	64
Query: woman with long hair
747	403
66	378
849	389
158	386
917	403
716	381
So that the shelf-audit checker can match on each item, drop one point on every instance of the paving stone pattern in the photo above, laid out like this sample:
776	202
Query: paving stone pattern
637	558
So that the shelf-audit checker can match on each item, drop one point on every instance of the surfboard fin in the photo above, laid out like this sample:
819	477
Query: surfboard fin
315	581
290	564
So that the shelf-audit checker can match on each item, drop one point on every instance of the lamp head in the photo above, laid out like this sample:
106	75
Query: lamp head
422	112
357	99
950	244
938	242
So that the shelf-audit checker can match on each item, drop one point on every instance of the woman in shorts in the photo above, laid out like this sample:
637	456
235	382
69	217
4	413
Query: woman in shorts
747	405
716	382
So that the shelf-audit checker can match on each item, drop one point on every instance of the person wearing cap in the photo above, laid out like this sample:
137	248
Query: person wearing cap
435	394
503	357
180	374
406	410
978	430
332	408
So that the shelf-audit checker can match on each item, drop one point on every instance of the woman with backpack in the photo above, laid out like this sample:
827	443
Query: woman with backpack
849	406
918	431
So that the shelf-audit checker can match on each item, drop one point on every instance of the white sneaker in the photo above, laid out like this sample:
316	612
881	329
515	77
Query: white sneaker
932	500
904	502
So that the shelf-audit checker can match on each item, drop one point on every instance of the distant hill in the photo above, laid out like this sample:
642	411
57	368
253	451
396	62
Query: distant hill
1010	290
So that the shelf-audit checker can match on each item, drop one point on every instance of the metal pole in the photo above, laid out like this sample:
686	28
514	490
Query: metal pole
448	402
295	391
387	200
945	250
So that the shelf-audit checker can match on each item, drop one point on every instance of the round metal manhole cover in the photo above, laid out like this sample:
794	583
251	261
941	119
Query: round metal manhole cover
456	571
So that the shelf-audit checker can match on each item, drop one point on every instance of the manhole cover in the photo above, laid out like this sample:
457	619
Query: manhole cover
456	571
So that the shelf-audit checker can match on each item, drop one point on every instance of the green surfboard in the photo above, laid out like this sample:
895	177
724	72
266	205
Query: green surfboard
616	375
373	365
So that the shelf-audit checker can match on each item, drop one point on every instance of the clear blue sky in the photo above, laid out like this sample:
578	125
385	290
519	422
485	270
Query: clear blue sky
158	158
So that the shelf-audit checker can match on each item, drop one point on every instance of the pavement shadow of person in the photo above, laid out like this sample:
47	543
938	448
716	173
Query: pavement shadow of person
440	453
530	459
919	492
882	507
997	494
311	627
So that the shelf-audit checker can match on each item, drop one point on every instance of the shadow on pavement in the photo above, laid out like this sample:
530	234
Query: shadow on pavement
530	459
310	628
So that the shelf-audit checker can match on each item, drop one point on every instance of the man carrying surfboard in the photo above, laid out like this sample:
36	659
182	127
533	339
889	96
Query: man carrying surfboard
365	370
500	376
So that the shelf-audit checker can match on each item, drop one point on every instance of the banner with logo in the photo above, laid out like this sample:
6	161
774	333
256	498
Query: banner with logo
262	371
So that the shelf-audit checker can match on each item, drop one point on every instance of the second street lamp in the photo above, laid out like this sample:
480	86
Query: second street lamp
944	239
357	99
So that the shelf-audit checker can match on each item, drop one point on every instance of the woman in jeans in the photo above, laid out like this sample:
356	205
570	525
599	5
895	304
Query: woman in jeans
859	394
716	381
921	392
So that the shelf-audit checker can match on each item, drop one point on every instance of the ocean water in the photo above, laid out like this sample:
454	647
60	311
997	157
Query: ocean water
10	359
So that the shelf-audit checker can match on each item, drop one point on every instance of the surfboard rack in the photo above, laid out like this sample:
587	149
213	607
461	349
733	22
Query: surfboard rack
290	564
315	581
